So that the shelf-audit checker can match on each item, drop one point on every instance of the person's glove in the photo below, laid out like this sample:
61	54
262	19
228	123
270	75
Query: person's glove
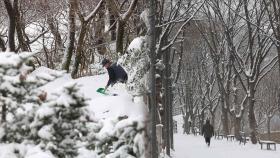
106	87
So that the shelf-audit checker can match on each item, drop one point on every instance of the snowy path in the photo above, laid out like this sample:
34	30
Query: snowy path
189	146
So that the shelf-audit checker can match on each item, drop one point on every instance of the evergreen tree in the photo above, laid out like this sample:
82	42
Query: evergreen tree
60	125
19	95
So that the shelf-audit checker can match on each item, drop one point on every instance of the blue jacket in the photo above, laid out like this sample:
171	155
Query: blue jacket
116	74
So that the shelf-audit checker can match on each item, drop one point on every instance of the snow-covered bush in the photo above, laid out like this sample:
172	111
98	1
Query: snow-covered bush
136	62
64	126
61	124
119	138
20	95
23	150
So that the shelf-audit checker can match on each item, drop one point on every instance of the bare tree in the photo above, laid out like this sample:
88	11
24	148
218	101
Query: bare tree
269	100
85	20
121	18
272	8
222	63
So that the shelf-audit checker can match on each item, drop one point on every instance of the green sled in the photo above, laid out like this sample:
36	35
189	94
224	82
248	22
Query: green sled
102	91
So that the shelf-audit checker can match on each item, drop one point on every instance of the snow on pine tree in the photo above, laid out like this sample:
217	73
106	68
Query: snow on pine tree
19	95
136	61
121	137
61	124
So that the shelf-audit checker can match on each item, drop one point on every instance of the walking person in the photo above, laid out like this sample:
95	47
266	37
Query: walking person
207	132
115	71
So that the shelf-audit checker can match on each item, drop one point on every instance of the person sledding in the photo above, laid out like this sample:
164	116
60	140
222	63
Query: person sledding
115	71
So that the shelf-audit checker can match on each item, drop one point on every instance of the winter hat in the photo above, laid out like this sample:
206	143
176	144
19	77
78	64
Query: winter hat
105	61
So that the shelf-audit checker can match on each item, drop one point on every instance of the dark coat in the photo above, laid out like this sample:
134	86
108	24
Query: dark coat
116	74
207	130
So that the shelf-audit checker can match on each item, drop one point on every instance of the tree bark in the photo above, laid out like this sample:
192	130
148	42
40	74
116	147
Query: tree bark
71	36
166	86
123	18
224	116
23	45
79	50
237	127
55	32
171	116
268	127
120	36
213	119
2	44
12	24
252	120
4	110
84	22
151	35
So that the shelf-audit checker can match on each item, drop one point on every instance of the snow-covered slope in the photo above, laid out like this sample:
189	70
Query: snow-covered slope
110	106
102	106
117	116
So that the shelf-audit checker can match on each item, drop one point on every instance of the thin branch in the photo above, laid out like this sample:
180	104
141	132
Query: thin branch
35	39
182	26
93	13
130	10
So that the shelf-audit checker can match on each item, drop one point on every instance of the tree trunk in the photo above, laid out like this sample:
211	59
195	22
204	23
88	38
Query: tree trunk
252	120
185	119
151	38
188	109
23	45
2	45
167	101
171	117
213	119
4	110
12	24
278	52
98	34
237	127
224	116
120	36
268	127
186	124
71	36
54	30
79	50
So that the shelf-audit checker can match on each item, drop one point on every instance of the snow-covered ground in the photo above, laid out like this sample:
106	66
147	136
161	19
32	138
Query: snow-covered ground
104	108
190	146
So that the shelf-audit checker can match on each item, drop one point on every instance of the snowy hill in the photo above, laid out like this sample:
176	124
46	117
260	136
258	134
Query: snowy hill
120	118
102	106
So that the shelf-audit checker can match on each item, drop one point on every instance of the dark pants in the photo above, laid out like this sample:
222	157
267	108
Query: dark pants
121	80
207	140
124	79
